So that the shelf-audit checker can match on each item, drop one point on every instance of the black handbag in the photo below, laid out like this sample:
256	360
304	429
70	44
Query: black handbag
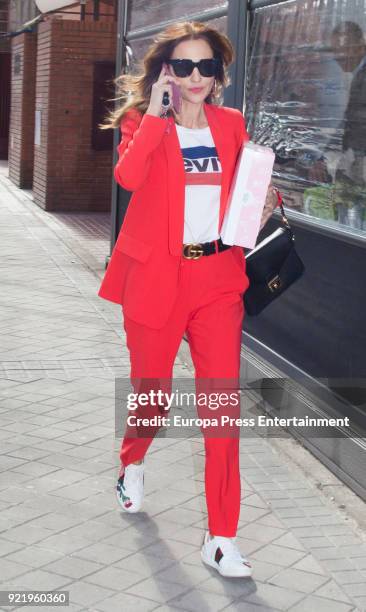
272	266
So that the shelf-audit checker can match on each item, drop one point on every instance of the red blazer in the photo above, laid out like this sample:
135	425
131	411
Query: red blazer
142	273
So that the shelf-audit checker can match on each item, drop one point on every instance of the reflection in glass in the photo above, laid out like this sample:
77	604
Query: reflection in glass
306	98
153	12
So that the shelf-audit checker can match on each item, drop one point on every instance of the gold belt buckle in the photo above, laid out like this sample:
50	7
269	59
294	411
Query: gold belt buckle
275	283
192	251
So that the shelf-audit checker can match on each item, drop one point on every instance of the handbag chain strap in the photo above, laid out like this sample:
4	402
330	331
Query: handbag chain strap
280	200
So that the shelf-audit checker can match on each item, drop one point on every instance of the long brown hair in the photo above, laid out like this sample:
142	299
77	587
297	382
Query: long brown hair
134	90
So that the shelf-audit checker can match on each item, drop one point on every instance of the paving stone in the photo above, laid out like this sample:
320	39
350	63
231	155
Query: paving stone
114	578
345	539
87	594
273	596
189	535
131	539
306	532
356	589
39	580
288	540
56	521
320	604
11	478
262	534
309	564
263	571
332	590
244	606
336	529
361	604
7	547
231	587
292	512
64	543
285	503
337	565
157	590
326	553
319	512
101	553
326	521
302	581
9	569
190	486
73	567
35	469
315	542
252	513
272	520
359	562
170	548
144	565
357	550
33	556
348	577
91	530
253	500
7	462
278	554
26	534
183	573
201	600
126	602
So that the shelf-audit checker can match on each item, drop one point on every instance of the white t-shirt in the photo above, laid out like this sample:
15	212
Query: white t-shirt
203	184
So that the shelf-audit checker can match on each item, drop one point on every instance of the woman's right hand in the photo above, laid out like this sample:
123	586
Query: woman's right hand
271	203
157	92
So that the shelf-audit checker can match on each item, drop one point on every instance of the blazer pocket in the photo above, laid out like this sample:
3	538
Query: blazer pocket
133	247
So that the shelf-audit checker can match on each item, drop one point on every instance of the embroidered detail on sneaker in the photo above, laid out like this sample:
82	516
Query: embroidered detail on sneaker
218	554
121	489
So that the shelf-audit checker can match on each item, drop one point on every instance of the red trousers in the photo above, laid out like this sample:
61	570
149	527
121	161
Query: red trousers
209	309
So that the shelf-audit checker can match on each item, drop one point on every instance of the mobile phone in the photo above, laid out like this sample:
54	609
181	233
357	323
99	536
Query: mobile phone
177	96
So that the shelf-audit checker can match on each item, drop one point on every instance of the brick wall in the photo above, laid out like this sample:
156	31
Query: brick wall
68	174
21	132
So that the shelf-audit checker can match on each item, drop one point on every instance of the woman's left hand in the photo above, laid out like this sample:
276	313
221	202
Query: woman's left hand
269	206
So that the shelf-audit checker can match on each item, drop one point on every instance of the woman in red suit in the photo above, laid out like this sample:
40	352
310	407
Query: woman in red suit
170	270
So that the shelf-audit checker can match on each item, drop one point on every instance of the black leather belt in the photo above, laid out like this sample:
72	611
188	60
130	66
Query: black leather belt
195	251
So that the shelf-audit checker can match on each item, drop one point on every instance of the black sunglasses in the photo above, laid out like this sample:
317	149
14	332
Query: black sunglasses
184	67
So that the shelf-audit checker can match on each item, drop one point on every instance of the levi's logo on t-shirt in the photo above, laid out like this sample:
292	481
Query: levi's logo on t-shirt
201	165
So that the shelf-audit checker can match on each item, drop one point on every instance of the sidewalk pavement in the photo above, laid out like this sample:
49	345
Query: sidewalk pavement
61	349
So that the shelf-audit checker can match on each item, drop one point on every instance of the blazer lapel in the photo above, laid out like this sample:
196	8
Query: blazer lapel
176	175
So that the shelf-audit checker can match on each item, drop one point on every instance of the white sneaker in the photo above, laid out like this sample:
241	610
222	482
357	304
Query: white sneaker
130	487
223	554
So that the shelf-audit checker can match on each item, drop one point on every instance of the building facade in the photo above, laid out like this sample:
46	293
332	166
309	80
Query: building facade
62	73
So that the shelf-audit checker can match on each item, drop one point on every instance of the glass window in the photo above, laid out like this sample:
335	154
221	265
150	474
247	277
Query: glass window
306	98
153	12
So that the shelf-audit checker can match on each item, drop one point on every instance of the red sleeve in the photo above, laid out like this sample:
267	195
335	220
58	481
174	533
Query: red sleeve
139	139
